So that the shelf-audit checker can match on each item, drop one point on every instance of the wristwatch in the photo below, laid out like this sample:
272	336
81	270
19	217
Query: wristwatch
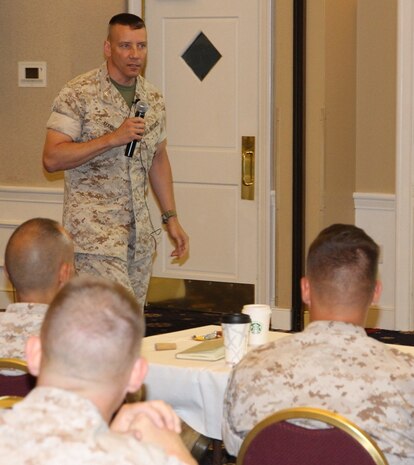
167	215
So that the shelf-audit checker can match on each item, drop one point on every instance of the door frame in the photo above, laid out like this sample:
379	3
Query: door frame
404	316
266	214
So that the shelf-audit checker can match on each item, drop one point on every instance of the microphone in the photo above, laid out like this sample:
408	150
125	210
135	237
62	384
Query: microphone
140	109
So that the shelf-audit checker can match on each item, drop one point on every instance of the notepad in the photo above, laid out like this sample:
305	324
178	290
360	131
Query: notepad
208	350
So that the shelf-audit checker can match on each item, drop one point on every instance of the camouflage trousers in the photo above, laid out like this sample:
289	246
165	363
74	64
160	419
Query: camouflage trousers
133	274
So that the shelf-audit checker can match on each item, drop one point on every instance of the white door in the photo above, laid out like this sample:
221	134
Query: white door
215	93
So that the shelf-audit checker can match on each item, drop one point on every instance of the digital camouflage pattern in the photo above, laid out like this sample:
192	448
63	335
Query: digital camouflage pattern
135	278
330	365
104	196
56	427
104	203
17	323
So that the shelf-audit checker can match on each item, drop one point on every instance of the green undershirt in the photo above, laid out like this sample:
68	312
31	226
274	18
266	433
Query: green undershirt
127	92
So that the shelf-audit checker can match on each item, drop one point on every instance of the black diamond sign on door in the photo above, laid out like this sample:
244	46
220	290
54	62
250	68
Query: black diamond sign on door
201	56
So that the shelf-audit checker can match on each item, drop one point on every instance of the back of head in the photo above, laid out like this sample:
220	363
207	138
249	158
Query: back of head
92	331
35	253
342	266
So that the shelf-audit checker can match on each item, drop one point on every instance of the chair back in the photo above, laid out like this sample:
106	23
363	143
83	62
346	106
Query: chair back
275	440
9	401
15	385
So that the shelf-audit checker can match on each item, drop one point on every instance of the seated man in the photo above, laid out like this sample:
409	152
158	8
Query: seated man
38	261
87	359
332	364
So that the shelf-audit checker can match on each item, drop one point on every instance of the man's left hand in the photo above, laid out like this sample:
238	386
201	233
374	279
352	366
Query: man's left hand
179	237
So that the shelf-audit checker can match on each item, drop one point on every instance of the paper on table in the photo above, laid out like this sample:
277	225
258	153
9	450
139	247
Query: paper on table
212	350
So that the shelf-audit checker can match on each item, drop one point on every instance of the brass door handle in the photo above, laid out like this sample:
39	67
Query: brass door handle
248	167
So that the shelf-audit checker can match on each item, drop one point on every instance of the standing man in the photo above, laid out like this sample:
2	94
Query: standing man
105	207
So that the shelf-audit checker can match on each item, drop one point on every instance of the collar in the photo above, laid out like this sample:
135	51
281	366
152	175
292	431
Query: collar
24	307
335	327
55	399
110	94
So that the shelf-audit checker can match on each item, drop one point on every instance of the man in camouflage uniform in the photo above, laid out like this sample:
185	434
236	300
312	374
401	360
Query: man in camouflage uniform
87	358
332	364
38	261
105	207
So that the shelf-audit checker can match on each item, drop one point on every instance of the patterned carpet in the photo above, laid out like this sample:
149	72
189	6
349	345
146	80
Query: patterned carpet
164	320
404	338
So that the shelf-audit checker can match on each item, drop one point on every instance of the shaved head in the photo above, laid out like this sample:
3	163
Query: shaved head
342	266
92	331
34	254
125	19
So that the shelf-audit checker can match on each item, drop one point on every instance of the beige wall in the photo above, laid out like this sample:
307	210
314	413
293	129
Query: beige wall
330	124
315	116
340	101
376	96
331	97
350	100
283	148
350	115
68	35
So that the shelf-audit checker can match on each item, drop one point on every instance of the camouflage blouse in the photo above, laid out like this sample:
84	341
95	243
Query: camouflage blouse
17	323
106	194
56	427
330	365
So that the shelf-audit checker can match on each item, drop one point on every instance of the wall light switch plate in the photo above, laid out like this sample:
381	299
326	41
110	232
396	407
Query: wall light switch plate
32	73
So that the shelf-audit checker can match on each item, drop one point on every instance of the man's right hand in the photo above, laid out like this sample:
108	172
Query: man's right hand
61	153
131	129
145	431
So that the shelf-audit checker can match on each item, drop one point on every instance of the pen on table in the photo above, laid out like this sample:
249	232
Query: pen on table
206	337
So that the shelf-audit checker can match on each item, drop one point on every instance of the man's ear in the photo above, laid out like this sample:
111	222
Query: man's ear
66	271
34	354
107	49
138	374
305	290
377	292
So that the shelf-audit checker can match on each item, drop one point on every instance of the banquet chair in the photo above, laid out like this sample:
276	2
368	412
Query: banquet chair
9	401
276	440
16	385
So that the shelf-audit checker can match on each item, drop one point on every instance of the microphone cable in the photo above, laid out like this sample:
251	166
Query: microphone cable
155	232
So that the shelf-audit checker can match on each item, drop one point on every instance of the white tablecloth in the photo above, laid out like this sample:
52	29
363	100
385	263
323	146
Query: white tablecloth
194	388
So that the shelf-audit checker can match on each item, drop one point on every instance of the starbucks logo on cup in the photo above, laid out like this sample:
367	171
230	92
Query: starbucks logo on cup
256	327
